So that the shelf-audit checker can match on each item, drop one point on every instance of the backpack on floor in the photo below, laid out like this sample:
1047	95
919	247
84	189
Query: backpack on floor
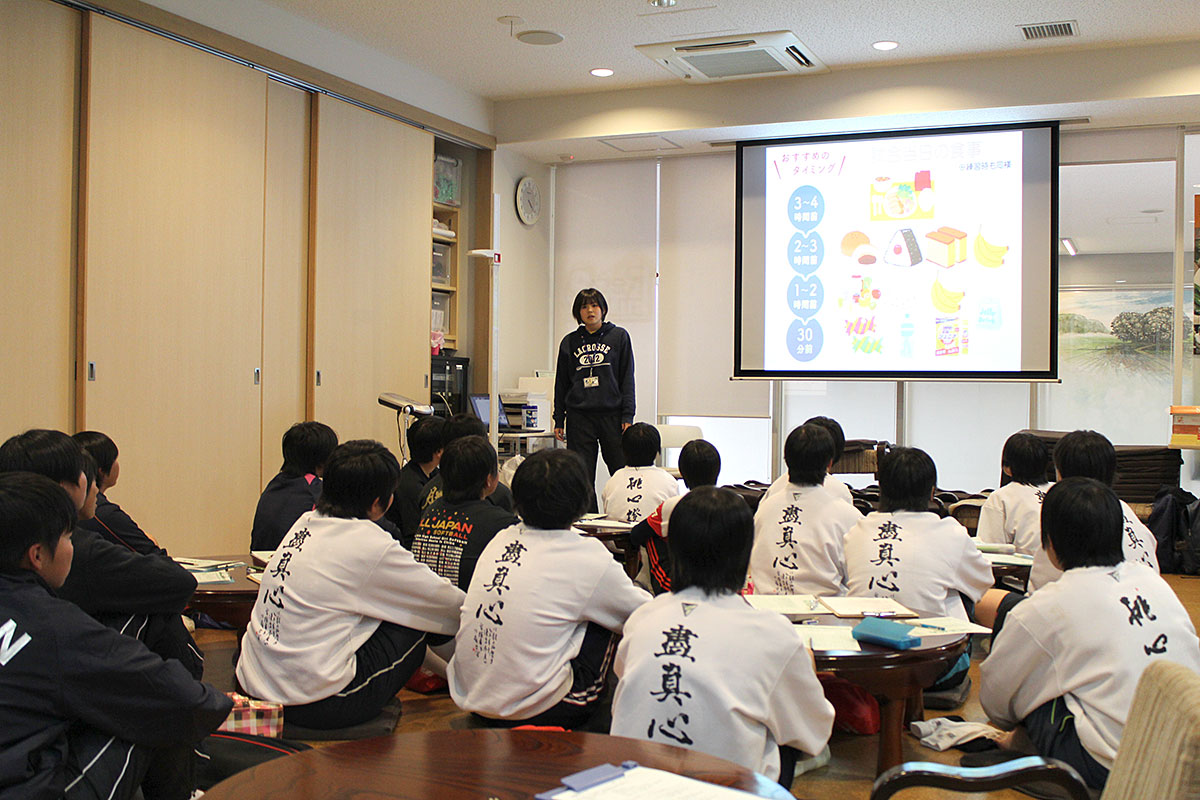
1175	523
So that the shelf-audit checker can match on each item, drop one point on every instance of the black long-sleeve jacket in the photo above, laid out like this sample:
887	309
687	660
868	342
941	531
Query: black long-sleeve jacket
60	667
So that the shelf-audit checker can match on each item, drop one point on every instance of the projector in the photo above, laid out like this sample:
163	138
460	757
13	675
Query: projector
404	405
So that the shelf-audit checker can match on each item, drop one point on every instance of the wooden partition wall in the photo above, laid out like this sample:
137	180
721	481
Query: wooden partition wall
185	245
39	46
374	191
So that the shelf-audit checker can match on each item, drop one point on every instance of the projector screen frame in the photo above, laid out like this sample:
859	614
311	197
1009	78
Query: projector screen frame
1049	375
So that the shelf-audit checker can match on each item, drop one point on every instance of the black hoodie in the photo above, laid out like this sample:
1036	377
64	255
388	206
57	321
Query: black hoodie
605	355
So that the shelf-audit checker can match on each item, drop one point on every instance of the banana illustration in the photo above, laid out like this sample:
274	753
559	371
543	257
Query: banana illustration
988	254
944	300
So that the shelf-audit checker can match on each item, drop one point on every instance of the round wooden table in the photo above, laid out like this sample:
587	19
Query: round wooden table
485	764
897	679
228	602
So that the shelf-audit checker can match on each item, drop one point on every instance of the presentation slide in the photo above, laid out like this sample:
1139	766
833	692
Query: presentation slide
899	255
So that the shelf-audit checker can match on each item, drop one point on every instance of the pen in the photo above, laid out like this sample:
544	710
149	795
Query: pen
926	625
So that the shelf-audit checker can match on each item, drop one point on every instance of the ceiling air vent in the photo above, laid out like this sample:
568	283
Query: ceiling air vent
1049	30
732	57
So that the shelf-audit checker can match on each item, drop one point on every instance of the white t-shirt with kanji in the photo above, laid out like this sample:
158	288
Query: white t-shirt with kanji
799	542
632	493
920	560
525	615
712	673
1086	637
834	486
1137	542
323	593
1013	515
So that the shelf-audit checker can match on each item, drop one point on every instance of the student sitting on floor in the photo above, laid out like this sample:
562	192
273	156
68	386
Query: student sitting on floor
836	487
294	491
1088	454
906	552
142	596
799	532
456	427
699	465
1012	513
459	524
635	490
1067	661
344	613
700	667
84	711
536	639
424	439
110	520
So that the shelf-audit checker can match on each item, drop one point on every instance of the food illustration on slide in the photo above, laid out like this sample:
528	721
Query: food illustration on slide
901	199
988	254
903	250
950	337
857	245
945	300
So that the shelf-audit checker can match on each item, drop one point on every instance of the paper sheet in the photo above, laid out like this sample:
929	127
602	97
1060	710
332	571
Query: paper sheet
988	547
1009	559
212	576
608	524
866	606
828	637
787	603
205	564
932	626
643	783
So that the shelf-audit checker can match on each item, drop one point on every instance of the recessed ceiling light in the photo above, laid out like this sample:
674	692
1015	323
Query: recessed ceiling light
1120	280
1069	245
885	45
602	72
539	37
661	3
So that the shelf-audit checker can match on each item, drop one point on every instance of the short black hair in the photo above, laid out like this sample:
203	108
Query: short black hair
460	425
585	297
712	533
90	469
699	463
358	473
466	465
808	453
1082	520
46	452
99	447
835	430
424	438
306	448
640	443
551	489
1025	455
1086	454
34	509
907	476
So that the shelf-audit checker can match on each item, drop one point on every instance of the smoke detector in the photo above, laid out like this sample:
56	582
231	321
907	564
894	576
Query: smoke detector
722	58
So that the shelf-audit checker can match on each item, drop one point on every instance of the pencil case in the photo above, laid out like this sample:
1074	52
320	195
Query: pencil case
885	632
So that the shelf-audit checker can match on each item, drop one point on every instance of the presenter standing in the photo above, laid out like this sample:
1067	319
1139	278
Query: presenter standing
593	384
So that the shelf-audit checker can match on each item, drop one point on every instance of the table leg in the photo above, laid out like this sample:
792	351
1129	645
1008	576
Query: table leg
891	732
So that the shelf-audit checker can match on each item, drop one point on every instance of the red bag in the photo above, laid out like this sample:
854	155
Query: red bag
855	710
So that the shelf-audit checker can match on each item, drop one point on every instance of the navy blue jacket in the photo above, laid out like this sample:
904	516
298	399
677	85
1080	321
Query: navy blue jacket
112	523
281	504
59	667
606	355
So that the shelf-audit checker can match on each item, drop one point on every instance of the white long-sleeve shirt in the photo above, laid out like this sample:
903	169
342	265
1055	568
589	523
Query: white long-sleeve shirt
1086	637
798	542
323	594
525	616
712	673
1013	515
632	493
837	488
917	558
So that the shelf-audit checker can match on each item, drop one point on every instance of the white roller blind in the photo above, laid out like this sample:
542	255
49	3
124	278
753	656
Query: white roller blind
696	293
604	237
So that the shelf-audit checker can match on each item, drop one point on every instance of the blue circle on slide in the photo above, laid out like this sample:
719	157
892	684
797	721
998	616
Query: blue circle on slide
806	252
805	296
806	208
802	335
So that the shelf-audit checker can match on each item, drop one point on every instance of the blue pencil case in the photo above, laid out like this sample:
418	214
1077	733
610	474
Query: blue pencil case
885	632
